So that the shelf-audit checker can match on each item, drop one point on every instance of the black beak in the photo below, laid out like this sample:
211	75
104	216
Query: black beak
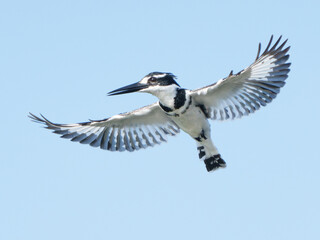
128	89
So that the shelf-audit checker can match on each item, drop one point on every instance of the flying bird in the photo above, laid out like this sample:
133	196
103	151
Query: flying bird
178	108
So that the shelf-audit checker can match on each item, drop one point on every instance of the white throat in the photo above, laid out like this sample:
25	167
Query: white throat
165	94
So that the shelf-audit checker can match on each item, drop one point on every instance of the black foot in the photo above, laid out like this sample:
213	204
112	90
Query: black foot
214	163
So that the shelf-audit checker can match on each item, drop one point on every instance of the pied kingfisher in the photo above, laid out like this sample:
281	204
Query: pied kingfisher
179	108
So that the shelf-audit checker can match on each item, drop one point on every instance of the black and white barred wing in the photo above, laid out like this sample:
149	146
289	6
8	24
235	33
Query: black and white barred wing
131	131
243	93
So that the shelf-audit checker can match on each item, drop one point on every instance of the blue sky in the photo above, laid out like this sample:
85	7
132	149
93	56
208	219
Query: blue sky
60	58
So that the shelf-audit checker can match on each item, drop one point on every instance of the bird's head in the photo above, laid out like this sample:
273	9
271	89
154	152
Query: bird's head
154	83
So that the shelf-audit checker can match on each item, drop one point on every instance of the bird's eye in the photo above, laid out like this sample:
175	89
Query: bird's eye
152	80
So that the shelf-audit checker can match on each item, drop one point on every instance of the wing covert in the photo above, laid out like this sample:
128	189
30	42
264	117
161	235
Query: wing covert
131	131
245	92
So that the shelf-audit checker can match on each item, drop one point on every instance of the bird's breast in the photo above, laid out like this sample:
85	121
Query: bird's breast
192	121
176	104
184	112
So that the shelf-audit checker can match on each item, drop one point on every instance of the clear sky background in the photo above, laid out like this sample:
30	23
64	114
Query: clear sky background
60	58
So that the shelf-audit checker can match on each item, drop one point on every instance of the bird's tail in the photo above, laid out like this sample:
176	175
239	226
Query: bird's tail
210	156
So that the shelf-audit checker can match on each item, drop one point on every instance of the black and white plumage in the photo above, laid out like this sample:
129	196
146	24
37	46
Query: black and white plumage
244	92
131	131
178	108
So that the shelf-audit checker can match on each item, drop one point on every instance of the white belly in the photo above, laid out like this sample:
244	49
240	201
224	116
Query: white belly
192	121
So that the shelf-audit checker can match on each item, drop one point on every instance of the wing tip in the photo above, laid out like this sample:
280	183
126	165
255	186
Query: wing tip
35	118
258	54
274	48
43	120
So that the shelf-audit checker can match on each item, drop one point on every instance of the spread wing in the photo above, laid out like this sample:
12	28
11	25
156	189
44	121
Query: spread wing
131	131
244	92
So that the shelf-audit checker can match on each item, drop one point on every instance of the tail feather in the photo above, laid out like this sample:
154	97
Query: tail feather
212	159
214	162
